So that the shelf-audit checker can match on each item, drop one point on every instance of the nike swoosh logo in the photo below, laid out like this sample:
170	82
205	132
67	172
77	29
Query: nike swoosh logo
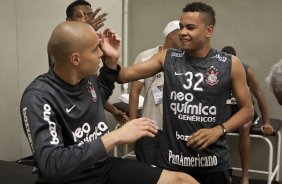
70	109
176	73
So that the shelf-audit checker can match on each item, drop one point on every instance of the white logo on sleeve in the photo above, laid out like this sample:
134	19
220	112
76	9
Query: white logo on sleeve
27	128
70	109
52	125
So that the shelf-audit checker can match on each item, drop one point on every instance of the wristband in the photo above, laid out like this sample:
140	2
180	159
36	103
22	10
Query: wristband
223	129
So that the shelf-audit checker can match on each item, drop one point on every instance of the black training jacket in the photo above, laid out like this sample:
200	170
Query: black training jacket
64	123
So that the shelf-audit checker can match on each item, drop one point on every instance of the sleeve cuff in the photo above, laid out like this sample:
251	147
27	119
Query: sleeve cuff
99	150
108	73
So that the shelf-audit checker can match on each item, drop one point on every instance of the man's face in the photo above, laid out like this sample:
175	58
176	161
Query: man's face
82	13
193	31
89	58
175	38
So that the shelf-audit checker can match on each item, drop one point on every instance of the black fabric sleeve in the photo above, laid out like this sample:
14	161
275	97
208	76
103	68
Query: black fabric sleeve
106	81
55	160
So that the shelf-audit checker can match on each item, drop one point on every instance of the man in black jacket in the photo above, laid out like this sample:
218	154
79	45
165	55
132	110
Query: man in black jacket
81	11
63	117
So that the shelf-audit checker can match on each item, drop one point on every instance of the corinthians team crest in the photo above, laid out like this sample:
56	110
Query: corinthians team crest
212	76
91	91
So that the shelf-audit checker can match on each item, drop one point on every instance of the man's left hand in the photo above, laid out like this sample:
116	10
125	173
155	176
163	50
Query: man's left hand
202	138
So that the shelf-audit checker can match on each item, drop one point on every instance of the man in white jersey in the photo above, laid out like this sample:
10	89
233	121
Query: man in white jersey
146	149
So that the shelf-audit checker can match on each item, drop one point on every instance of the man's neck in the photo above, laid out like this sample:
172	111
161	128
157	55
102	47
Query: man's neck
168	44
201	53
66	74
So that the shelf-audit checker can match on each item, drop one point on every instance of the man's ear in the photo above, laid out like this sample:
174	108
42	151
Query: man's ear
74	59
209	31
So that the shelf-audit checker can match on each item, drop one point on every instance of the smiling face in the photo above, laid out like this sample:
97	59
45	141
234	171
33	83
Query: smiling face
194	33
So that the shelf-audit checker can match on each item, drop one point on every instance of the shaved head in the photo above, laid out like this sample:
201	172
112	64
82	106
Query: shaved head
70	37
74	50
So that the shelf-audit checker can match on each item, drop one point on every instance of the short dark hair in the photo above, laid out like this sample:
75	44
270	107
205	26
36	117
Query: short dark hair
70	8
203	8
229	50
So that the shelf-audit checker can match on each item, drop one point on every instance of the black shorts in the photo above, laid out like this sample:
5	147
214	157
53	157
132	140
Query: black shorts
221	177
147	149
123	171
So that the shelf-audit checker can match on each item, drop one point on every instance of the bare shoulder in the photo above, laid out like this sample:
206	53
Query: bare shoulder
237	67
158	58
235	61
161	56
